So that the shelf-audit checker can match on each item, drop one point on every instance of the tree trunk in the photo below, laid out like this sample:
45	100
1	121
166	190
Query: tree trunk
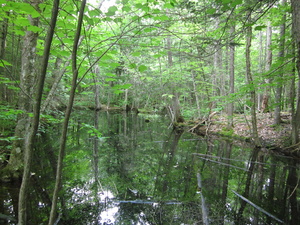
265	100
97	88
3	35
25	103
170	55
278	91
63	138
231	80
196	93
249	79
296	35
32	130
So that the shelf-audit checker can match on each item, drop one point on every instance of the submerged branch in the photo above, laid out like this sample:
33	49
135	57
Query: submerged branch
257	207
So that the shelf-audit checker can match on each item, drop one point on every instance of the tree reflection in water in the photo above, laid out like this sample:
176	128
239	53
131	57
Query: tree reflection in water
145	173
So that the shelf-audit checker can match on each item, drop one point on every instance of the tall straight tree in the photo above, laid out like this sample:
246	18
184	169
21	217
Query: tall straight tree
63	137
265	100
278	91
249	79
25	101
32	130
231	78
296	36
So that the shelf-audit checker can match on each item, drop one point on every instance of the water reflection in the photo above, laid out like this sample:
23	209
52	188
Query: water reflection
138	172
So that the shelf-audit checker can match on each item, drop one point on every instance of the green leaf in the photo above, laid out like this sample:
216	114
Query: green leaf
118	20
260	27
142	68
64	53
161	18
157	56
34	29
149	29
210	11
28	9
119	88
139	5
108	19
135	18
146	9
4	63
126	9
114	65
236	2
168	6
110	74
136	53
21	21
94	13
132	65
122	86
110	79
111	11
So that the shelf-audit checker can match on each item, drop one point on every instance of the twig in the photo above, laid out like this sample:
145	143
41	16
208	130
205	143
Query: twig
257	207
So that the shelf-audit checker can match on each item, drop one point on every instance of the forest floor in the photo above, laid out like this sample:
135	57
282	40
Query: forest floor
270	135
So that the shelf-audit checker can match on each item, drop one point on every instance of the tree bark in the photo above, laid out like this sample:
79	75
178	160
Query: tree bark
295	4
3	35
97	88
265	101
25	101
170	55
249	79
63	137
278	91
32	130
231	79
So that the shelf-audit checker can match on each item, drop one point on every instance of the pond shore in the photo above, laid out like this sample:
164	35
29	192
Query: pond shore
274	137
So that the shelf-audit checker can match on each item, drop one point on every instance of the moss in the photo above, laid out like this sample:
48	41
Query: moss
227	132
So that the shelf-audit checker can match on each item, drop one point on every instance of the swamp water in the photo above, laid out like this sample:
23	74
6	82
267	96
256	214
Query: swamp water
138	172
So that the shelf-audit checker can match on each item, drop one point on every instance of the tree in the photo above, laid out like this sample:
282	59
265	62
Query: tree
231	79
266	96
251	86
25	103
75	71
34	122
296	36
278	91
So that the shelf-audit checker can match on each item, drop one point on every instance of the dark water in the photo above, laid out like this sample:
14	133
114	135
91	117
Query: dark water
138	172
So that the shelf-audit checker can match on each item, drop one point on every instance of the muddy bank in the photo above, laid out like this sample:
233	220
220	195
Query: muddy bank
273	137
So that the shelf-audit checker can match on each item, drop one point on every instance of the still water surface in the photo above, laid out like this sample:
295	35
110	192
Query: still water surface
138	172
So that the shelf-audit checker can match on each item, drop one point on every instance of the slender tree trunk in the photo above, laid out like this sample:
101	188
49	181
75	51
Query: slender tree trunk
170	55
3	35
195	93
278	91
251	84
97	88
32	130
63	138
292	97
265	100
296	35
231	80
261	60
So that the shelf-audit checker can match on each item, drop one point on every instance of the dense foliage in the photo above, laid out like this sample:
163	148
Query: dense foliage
187	57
